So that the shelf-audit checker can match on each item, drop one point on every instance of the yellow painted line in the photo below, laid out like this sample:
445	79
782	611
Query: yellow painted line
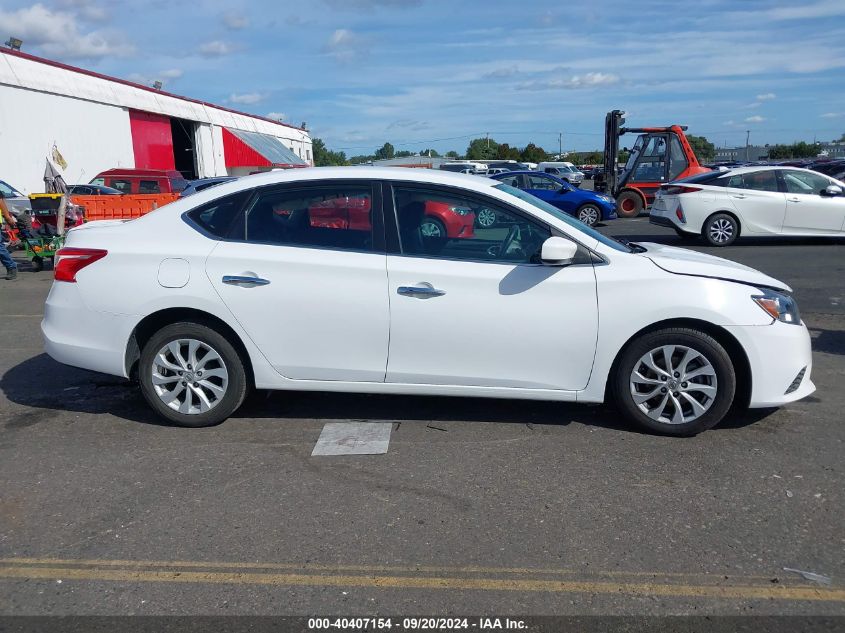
405	582
469	569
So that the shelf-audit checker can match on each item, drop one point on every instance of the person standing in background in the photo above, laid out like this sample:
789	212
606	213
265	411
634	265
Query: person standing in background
5	256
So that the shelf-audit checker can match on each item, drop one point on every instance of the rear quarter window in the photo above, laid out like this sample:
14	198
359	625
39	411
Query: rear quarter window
217	217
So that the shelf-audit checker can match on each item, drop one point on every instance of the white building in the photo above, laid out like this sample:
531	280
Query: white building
98	122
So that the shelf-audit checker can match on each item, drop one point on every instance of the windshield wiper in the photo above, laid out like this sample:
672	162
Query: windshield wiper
632	246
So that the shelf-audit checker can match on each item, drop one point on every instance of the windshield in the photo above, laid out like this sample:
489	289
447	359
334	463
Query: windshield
7	191
563	217
635	151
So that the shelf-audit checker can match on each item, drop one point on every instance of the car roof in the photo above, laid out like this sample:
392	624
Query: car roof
754	168
434	176
130	171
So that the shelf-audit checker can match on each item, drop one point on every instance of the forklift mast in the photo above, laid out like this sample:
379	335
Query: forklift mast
613	122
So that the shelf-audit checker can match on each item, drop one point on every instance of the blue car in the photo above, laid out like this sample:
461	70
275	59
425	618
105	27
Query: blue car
587	206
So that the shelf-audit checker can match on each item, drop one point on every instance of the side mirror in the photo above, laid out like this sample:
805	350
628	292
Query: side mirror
832	190
557	251
563	189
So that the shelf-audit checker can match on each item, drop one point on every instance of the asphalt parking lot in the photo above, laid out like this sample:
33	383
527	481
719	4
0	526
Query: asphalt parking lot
478	506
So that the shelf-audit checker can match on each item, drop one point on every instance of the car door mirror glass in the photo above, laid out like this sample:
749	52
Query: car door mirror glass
557	251
832	190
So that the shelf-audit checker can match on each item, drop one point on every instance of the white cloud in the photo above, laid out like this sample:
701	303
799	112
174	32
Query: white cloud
501	73
247	98
370	5
171	73
58	34
588	80
235	21
821	9
216	48
277	116
833	115
755	119
409	124
768	96
86	9
346	46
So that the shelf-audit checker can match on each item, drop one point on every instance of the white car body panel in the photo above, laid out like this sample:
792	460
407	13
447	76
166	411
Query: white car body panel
332	320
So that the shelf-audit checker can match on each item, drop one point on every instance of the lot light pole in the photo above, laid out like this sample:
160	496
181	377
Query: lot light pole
747	136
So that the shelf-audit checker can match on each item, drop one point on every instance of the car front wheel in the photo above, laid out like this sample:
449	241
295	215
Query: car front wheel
676	381
191	375
589	214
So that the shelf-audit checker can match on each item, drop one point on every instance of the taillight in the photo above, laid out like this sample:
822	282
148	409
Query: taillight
70	261
676	190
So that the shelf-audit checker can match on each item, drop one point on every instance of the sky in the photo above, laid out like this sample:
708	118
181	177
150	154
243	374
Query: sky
436	73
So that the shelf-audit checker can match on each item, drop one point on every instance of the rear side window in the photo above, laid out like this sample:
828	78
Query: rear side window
218	216
711	178
123	186
149	186
755	180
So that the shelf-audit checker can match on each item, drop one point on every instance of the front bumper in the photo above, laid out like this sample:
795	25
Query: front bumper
776	353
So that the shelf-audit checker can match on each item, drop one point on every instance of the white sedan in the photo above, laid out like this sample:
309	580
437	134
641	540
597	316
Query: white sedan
722	205
322	280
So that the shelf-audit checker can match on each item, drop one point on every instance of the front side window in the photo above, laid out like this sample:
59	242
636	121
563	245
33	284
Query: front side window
439	223
756	180
805	182
677	161
512	180
218	216
148	186
333	216
539	182
652	164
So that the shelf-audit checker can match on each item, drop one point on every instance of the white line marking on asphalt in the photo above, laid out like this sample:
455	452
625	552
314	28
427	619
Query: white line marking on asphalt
353	438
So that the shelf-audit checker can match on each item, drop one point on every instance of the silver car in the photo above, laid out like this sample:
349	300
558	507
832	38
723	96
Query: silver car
17	202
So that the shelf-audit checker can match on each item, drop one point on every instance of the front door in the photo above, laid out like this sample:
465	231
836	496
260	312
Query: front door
757	197
305	276
549	190
808	211
481	310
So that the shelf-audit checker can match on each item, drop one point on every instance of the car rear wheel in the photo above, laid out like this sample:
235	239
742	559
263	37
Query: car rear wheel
720	229
629	204
589	214
676	381
486	218
191	375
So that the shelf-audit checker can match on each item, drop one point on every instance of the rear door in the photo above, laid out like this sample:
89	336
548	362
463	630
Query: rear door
758	200
304	273
807	211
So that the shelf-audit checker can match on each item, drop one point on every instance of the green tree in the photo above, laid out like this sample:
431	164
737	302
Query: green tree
533	154
323	157
802	149
452	154
361	159
622	156
704	150
429	152
385	151
482	149
403	153
506	152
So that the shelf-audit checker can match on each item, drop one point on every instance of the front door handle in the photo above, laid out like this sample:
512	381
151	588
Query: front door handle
238	280
741	196
794	199
422	291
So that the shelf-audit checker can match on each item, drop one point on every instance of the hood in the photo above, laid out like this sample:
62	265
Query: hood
98	224
682	261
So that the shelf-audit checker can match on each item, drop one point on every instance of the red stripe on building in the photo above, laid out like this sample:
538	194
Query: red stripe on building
239	154
152	140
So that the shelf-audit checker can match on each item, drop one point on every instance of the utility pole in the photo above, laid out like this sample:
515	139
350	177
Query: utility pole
487	134
560	145
747	136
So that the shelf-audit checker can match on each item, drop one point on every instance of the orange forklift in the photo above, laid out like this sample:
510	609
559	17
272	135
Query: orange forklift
659	155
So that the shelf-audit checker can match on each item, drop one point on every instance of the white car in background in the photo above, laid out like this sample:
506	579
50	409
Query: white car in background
722	205
324	280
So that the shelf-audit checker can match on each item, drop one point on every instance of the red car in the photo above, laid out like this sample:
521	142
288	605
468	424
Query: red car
441	219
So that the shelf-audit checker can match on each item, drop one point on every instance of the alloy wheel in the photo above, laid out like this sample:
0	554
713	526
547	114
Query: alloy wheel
486	218
673	384
430	229
589	215
189	376
721	230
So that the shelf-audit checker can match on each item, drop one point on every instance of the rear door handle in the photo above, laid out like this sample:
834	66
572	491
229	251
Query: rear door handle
238	280
421	291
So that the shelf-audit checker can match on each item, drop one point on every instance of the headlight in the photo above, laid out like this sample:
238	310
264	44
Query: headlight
778	306
460	210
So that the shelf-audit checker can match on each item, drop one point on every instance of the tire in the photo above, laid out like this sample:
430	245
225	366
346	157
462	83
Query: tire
589	214
712	383
224	390
432	228
485	218
629	204
720	229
